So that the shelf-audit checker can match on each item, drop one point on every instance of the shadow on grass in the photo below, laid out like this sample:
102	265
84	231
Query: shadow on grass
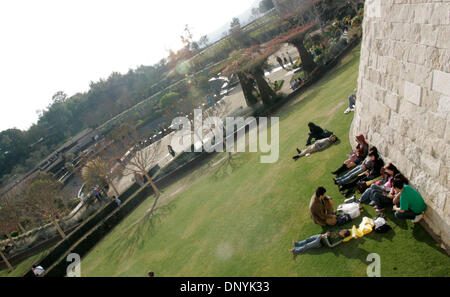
134	237
420	234
349	250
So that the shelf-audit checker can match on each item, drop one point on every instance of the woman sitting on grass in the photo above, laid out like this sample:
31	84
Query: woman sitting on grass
352	175
329	239
370	174
381	190
356	157
319	145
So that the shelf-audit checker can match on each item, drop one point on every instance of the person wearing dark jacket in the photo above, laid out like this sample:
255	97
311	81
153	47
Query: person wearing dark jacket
371	173
315	132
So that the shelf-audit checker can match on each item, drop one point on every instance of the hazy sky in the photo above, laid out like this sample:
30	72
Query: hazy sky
47	46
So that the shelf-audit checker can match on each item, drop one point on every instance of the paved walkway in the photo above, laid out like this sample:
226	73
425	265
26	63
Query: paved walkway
235	100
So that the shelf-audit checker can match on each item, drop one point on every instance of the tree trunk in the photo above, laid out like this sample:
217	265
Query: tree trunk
307	59
265	90
11	239
21	228
247	89
155	189
6	261
114	188
60	231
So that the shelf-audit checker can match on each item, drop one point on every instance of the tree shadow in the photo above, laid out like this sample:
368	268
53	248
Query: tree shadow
226	167
421	234
135	235
349	250
389	214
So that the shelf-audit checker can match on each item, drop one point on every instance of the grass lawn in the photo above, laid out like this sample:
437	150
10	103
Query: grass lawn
242	224
22	267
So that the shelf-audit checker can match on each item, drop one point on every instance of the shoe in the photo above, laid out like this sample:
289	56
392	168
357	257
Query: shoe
379	210
295	157
372	203
299	151
417	218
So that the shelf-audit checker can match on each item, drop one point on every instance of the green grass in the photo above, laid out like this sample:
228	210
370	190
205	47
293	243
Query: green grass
22	267
242	223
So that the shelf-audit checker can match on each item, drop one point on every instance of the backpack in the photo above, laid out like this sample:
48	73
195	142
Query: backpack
343	218
380	224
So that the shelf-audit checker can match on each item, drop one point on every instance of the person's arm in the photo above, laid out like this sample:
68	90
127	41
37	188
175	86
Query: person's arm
328	243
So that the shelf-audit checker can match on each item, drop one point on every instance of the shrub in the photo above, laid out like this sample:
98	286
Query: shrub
73	203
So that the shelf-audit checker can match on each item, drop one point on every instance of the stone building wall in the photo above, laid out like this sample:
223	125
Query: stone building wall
404	96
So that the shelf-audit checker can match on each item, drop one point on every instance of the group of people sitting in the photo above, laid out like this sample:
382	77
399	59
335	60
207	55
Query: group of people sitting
382	186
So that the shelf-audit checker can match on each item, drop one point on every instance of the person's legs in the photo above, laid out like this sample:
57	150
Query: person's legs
351	177
309	150
366	196
309	243
331	222
381	201
407	215
350	173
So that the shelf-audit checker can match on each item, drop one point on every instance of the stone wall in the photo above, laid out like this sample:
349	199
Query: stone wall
404	96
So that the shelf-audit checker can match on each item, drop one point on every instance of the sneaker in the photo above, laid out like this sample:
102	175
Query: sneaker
295	157
299	151
417	218
372	203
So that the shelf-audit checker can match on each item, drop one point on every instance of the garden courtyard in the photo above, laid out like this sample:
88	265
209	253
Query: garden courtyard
241	220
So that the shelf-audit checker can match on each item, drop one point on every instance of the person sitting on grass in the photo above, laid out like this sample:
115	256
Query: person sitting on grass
411	202
356	157
381	190
329	239
351	103
321	208
315	132
319	145
352	175
370	174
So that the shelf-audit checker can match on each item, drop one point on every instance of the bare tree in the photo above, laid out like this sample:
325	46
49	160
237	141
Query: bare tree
5	259
43	200
138	158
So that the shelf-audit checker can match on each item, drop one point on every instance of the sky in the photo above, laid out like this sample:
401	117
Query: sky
62	45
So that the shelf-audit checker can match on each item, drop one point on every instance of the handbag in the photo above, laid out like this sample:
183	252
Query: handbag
362	186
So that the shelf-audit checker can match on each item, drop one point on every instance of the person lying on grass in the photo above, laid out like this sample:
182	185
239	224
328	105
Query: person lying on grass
329	239
319	145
